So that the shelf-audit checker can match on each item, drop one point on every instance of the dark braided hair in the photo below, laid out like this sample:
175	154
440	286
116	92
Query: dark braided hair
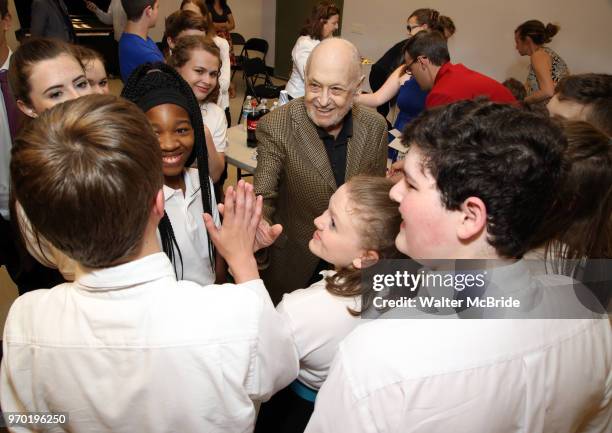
155	77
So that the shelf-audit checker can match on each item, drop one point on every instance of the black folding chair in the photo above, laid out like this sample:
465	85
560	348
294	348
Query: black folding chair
258	45
251	48
237	41
255	69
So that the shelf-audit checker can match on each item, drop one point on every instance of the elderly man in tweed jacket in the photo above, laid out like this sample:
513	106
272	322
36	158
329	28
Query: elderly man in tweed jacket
307	149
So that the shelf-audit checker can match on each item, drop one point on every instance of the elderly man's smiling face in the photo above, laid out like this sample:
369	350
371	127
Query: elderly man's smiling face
332	80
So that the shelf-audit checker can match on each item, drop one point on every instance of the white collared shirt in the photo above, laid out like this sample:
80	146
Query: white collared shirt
5	160
130	349
225	75
7	62
185	213
477	376
5	150
216	122
299	56
316	340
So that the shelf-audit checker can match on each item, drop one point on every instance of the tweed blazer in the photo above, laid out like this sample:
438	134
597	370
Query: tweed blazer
295	177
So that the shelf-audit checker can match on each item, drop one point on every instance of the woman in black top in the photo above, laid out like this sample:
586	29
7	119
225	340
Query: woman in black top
223	20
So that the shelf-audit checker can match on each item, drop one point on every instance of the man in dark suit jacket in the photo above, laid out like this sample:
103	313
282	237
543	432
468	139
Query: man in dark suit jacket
50	19
306	150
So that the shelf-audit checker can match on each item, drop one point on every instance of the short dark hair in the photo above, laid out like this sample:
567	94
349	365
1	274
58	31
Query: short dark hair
320	14
134	8
81	162
516	87
537	31
428	44
594	90
510	158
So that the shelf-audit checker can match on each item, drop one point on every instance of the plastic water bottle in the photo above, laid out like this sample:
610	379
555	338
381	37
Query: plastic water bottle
245	111
263	107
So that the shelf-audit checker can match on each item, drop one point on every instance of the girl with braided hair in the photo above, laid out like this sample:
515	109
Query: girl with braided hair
174	114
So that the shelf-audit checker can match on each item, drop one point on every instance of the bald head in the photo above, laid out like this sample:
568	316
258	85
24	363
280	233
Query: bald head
333	78
336	52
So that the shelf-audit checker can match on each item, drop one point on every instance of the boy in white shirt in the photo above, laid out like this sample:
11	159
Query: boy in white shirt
126	347
478	180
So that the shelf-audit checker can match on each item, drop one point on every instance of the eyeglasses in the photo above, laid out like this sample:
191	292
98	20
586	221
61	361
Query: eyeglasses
409	65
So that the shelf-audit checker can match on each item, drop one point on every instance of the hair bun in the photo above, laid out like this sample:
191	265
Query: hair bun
435	16
550	31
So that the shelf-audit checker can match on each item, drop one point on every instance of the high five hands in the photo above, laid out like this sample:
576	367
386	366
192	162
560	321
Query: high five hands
265	235
242	232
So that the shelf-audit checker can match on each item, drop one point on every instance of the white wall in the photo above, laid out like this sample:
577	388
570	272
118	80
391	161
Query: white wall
256	19
485	31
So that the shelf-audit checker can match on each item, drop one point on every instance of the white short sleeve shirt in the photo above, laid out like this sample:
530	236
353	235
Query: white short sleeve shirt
216	122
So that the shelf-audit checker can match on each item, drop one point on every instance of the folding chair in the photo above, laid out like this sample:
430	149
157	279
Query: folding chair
237	41
255	69
251	47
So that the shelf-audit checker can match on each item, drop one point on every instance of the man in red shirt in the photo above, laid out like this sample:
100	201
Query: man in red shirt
429	62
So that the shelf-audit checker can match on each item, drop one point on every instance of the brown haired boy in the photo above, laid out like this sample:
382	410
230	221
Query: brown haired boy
126	347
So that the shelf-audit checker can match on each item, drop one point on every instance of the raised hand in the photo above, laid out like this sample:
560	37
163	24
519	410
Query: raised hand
91	6
265	235
235	238
396	171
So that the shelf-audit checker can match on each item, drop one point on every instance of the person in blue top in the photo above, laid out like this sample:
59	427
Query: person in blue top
135	45
410	97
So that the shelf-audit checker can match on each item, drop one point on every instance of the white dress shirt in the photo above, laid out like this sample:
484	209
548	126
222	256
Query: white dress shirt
115	15
185	214
5	160
300	53
521	375
318	322
225	76
216	122
130	349
5	151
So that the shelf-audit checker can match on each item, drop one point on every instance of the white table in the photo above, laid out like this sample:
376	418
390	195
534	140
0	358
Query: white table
237	152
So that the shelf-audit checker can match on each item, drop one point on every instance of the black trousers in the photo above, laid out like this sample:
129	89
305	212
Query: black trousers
24	270
286	412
